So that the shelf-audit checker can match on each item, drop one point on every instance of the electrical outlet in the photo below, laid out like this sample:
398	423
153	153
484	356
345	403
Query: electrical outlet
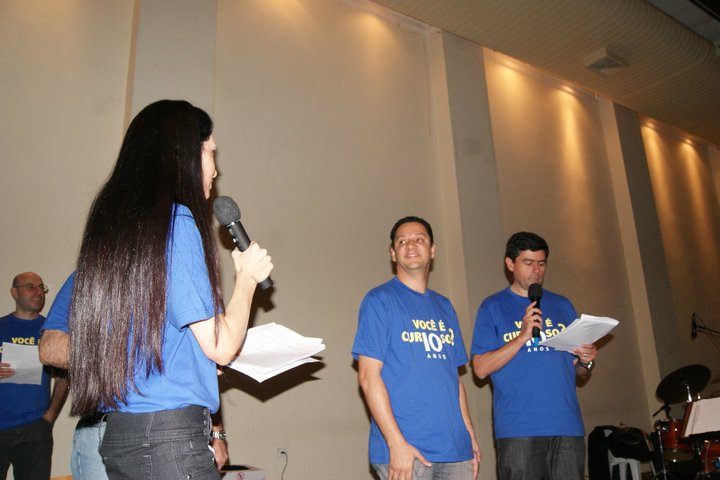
281	452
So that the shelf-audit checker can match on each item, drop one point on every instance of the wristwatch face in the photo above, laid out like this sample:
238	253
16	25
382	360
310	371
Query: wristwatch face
220	434
588	365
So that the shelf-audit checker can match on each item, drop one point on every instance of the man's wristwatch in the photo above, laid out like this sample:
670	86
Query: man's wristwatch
218	434
587	366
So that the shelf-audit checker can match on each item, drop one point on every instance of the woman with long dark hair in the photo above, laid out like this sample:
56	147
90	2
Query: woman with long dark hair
148	323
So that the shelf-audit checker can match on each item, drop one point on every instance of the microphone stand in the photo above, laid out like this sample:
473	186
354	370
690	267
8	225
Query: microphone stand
702	328
706	329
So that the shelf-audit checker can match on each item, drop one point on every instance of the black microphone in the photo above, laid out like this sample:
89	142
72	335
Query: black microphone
227	213
693	328
535	293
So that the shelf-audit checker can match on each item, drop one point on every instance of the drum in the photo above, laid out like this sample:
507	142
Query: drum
710	457
675	448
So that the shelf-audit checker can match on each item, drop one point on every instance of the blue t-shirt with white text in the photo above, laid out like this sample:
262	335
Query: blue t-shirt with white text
417	337
534	393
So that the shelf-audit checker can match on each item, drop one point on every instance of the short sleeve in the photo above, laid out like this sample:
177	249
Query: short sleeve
372	338
485	334
190	296
59	314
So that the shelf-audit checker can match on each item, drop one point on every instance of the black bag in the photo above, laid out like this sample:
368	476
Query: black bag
629	442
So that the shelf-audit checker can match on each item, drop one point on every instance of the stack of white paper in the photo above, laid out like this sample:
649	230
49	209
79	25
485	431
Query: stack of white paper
272	349
26	362
586	329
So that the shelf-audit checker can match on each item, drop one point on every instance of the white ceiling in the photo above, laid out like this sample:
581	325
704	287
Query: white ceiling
673	57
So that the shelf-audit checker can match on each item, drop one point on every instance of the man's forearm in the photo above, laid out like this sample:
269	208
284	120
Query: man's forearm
54	348
490	362
379	405
57	400
378	402
465	410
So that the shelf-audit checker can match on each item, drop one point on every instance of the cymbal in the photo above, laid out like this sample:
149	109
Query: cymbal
674	387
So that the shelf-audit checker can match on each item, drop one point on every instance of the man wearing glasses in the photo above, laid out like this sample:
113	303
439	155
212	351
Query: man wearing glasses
27	411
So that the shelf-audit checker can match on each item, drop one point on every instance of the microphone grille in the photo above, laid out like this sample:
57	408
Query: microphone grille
535	292
226	210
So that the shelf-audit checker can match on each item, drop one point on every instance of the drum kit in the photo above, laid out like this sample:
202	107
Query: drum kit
675	455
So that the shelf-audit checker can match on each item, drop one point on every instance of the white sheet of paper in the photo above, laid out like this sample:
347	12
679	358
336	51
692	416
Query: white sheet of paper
26	362
260	377
704	417
586	329
272	349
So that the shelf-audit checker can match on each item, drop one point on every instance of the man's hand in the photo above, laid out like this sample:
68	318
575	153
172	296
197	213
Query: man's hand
477	454
532	318
402	458
586	353
6	371
492	361
218	445
221	452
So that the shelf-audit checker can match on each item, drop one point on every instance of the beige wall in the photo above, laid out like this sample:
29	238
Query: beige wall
333	119
64	73
325	139
689	214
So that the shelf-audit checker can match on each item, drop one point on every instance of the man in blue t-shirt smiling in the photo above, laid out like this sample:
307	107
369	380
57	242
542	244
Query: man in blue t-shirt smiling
409	347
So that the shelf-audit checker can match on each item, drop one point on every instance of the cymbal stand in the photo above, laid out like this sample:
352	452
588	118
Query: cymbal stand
666	408
658	459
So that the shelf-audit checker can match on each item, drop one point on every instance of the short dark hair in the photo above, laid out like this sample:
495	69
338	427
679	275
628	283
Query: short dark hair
411	219
525	241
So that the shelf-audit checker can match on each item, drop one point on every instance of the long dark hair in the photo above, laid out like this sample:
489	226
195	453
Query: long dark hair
118	311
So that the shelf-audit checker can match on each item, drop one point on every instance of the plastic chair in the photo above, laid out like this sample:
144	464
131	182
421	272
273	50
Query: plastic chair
623	463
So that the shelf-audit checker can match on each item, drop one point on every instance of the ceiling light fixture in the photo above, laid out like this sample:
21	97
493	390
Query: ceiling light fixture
605	62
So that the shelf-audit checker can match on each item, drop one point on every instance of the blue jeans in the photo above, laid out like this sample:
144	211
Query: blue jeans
438	471
85	460
164	445
541	458
29	449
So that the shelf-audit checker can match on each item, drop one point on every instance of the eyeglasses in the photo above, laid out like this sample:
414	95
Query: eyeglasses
33	287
